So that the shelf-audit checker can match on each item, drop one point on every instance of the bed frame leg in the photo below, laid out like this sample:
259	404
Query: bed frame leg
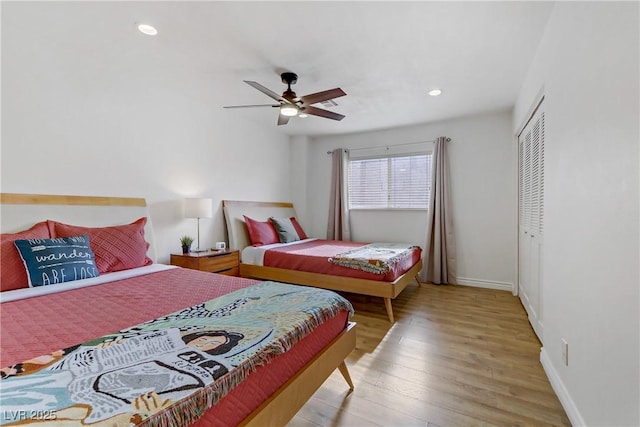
345	373
418	280
387	304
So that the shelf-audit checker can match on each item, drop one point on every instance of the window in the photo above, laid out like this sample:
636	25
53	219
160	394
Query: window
390	182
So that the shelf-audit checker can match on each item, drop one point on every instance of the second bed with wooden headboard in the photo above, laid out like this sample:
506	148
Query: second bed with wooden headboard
292	263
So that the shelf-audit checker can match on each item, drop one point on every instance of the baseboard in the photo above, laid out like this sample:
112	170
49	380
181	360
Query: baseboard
478	283
561	391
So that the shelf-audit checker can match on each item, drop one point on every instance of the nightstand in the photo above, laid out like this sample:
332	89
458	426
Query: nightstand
222	262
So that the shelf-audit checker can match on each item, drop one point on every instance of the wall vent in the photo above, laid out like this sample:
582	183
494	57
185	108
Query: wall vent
329	103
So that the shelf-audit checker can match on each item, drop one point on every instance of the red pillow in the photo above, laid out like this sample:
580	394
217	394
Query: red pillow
301	234
14	274
116	248
261	233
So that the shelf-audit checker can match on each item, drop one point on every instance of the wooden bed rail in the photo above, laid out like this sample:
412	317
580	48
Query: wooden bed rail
278	409
250	203
55	199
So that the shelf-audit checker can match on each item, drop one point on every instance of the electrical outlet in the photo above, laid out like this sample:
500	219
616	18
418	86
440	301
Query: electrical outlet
565	352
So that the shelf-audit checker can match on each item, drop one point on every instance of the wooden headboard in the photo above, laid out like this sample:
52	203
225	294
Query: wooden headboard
261	211
21	211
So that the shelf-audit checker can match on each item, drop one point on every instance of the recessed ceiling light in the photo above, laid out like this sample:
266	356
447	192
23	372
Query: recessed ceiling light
435	92
303	115
147	29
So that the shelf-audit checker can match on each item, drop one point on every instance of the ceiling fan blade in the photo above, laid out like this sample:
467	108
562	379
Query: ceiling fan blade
282	120
252	105
322	96
266	91
322	113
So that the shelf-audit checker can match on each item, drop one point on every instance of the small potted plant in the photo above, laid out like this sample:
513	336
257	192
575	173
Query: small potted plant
186	242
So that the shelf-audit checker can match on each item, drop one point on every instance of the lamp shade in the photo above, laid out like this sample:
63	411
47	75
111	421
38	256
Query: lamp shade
198	208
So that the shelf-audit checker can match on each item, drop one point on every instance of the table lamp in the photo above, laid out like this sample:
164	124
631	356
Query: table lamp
198	208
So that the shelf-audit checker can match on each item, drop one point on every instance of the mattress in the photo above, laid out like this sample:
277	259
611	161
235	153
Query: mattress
40	325
311	255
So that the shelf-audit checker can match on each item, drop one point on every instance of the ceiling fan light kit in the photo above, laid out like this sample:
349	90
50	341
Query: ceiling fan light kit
291	105
288	110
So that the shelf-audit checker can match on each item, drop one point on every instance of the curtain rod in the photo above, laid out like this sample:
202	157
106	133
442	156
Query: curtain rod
395	145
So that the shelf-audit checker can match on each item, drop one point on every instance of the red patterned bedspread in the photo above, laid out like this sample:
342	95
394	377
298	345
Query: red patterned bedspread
36	326
313	257
41	325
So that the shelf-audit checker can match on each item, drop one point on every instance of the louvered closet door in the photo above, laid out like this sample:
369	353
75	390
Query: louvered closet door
531	216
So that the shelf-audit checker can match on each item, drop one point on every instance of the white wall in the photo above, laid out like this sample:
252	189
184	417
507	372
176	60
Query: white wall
299	170
87	116
484	193
587	67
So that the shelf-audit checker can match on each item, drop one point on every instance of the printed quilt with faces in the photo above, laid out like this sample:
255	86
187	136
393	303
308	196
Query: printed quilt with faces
169	370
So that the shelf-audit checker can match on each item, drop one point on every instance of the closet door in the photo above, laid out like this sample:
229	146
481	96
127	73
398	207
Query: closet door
531	218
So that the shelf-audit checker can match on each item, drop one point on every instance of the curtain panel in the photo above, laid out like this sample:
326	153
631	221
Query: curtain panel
338	227
439	256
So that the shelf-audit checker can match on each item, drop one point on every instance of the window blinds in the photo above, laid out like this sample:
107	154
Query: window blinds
390	182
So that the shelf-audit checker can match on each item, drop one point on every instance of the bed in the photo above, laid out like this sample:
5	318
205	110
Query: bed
290	270
170	347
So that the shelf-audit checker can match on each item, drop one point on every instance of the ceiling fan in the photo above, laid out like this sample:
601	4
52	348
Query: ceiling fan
291	105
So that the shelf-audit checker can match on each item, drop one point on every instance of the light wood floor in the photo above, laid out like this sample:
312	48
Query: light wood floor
456	356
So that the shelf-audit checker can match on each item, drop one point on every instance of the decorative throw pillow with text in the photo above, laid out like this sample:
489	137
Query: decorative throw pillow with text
52	261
